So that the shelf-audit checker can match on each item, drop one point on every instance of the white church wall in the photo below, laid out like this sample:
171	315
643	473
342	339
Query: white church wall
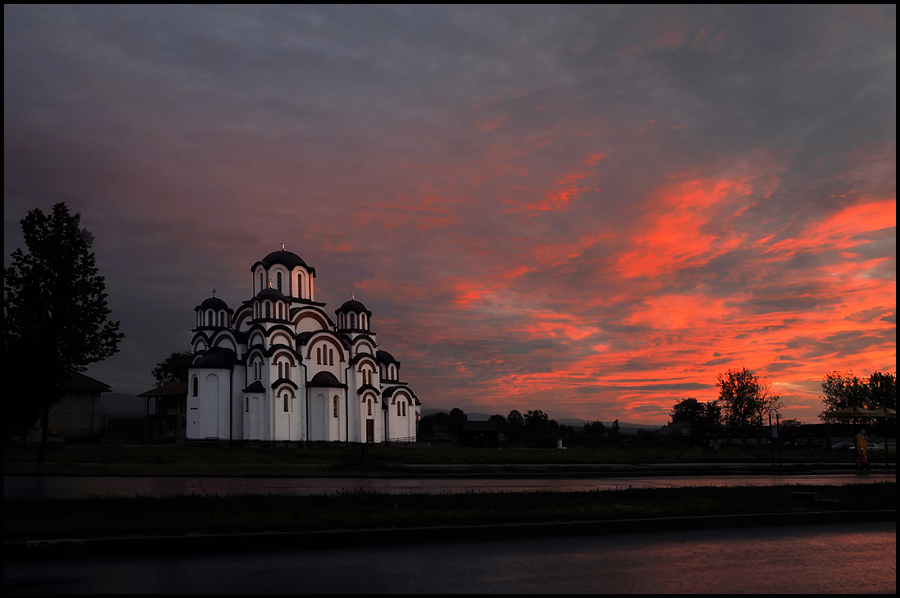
236	403
317	411
209	403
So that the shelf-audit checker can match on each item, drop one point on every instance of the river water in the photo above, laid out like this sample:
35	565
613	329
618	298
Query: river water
859	558
67	487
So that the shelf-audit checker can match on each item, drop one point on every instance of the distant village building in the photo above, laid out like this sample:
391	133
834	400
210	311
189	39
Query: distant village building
167	418
279	368
78	413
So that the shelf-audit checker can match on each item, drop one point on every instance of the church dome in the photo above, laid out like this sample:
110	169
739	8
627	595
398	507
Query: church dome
285	258
325	380
213	303
353	306
270	293
385	357
217	358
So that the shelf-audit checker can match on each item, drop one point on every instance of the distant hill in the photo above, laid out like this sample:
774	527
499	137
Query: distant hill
574	422
121	405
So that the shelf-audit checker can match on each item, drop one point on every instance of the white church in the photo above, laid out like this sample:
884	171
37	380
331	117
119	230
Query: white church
278	368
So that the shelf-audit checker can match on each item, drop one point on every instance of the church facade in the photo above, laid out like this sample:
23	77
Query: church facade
279	368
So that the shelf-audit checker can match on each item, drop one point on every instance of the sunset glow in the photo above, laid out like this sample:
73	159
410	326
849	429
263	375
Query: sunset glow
591	211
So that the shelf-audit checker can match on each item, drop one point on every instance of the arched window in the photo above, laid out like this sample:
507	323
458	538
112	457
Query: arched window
330	356
391	372
285	402
280	373
319	356
222	319
352	320
398	408
261	287
334	402
404	408
279	282
370	406
268	310
196	386
299	283
279	311
246	404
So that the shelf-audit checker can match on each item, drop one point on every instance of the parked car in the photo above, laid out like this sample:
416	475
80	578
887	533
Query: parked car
842	446
879	448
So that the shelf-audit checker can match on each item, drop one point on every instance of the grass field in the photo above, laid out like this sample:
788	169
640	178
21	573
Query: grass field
178	515
220	459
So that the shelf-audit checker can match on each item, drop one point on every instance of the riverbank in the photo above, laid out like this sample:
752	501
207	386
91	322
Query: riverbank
250	522
402	460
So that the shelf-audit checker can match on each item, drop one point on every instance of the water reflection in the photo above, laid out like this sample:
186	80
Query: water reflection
817	559
65	487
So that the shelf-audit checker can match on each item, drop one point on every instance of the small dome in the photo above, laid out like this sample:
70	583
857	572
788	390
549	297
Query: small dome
285	258
353	306
325	380
217	358
271	293
214	303
385	358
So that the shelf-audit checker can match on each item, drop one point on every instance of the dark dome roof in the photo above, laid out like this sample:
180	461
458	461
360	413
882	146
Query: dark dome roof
385	357
271	293
217	358
326	380
213	303
285	258
353	306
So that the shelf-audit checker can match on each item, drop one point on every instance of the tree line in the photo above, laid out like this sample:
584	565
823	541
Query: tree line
746	400
517	426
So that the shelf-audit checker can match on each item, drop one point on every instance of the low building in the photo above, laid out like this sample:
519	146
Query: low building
481	434
78	413
168	416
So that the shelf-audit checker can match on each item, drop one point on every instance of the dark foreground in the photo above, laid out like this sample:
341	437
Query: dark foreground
836	558
384	515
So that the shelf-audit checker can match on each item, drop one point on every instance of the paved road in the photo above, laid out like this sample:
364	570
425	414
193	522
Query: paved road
84	486
835	558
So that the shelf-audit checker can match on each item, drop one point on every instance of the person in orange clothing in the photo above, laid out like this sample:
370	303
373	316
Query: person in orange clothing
862	449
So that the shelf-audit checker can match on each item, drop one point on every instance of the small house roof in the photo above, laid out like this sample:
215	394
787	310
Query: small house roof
76	381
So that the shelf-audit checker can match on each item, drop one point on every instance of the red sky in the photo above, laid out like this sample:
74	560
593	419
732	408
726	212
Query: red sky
591	211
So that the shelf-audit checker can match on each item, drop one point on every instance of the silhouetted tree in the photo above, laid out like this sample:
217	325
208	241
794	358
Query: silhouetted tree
614	432
697	414
882	390
499	420
594	430
536	423
745	399
173	368
456	417
54	311
843	389
515	424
